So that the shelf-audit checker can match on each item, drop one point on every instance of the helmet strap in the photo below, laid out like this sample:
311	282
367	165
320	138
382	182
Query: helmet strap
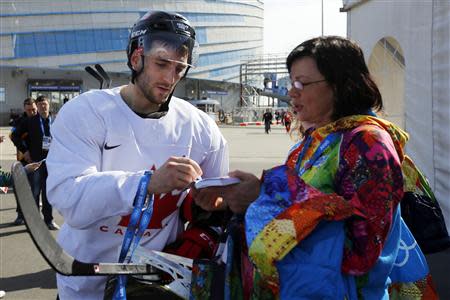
185	73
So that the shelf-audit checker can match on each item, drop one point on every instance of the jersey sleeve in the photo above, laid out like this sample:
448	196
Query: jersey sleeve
370	177
216	161
76	186
214	164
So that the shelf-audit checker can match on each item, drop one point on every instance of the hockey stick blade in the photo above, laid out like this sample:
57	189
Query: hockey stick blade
95	75
55	256
105	75
179	268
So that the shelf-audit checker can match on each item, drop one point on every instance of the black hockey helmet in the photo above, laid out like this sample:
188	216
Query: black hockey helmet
171	30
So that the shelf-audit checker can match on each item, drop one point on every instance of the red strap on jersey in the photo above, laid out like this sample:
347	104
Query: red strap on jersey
186	208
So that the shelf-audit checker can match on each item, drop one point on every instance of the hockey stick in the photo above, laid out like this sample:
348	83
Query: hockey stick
105	75
95	75
149	263
55	256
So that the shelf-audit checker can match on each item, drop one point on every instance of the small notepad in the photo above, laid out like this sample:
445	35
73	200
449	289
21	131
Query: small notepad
216	181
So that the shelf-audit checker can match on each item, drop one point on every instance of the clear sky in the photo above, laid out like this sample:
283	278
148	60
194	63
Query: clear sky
287	23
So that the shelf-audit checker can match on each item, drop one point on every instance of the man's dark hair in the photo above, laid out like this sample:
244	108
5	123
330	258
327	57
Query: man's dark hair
41	98
28	101
341	62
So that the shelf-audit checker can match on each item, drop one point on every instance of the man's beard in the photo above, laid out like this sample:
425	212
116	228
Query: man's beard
148	94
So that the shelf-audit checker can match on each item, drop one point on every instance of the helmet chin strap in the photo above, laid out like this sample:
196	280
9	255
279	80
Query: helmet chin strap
165	106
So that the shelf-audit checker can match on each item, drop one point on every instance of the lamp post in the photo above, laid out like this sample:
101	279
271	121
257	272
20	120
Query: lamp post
322	15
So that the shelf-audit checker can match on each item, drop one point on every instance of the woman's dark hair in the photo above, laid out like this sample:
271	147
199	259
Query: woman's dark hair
341	62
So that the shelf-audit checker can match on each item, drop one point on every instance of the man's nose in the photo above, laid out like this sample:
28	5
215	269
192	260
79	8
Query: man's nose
170	75
293	92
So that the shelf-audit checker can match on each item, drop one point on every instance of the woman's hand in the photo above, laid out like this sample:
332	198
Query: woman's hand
237	197
31	167
210	198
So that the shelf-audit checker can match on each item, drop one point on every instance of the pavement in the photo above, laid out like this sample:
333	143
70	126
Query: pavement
24	274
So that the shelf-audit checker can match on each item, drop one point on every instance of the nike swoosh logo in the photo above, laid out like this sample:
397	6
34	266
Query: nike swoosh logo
111	147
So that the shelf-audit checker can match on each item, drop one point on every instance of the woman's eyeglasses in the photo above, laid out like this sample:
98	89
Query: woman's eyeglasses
298	85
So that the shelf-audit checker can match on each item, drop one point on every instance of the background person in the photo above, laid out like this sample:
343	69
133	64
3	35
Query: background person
29	110
326	224
104	140
6	181
277	116
267	118
35	149
287	121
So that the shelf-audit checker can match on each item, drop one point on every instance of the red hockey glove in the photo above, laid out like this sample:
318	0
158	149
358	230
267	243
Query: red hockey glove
195	243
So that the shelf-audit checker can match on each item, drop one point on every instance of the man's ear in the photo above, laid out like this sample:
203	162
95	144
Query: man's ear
136	61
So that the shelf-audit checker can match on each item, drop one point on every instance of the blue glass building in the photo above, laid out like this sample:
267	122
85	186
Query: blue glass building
44	41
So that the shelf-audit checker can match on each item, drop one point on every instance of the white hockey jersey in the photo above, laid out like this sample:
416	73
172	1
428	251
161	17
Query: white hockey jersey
99	151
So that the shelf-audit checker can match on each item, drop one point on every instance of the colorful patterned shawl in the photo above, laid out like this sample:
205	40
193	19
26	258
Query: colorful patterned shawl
348	172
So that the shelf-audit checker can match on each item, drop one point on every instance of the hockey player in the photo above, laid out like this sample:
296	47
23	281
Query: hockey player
104	140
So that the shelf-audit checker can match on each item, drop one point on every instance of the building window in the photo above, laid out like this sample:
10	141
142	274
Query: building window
70	42
2	94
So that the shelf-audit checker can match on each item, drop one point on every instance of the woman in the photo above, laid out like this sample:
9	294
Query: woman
287	121
326	225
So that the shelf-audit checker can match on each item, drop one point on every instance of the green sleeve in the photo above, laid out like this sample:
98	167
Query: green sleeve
5	178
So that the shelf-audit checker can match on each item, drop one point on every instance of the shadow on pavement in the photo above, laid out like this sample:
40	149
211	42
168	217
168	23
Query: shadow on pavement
44	279
6	209
3	234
